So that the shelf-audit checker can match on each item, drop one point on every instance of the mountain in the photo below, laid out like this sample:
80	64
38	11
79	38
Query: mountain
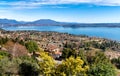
45	22
49	22
9	21
41	22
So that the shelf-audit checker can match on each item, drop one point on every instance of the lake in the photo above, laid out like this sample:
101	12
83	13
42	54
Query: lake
102	32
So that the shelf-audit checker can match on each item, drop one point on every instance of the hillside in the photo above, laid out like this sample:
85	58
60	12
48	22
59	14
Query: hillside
30	53
53	40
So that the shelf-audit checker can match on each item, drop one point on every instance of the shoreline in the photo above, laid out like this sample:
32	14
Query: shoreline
80	35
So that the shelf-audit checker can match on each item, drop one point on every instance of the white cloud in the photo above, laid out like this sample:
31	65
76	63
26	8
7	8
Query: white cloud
97	2
3	10
39	3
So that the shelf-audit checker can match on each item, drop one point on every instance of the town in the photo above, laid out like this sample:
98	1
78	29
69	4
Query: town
54	42
55	47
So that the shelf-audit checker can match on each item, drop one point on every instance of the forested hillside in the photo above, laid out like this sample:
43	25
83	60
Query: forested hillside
32	53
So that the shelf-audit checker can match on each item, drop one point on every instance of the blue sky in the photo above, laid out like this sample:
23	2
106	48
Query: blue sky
82	11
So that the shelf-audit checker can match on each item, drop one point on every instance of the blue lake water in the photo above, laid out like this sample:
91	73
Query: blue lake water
103	32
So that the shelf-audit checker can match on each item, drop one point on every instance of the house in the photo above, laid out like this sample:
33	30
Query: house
57	54
54	50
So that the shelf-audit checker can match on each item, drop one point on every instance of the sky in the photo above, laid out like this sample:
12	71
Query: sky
81	11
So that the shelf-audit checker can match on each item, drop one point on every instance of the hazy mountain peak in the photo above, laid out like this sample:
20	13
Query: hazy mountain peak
45	22
8	21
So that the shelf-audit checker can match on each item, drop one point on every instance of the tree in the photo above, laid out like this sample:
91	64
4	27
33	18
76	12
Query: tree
116	62
72	67
47	64
101	69
28	69
101	66
9	67
67	52
3	54
3	40
24	66
31	46
82	54
22	42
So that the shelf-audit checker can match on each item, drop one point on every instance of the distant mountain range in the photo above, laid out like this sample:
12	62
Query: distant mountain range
49	22
8	21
